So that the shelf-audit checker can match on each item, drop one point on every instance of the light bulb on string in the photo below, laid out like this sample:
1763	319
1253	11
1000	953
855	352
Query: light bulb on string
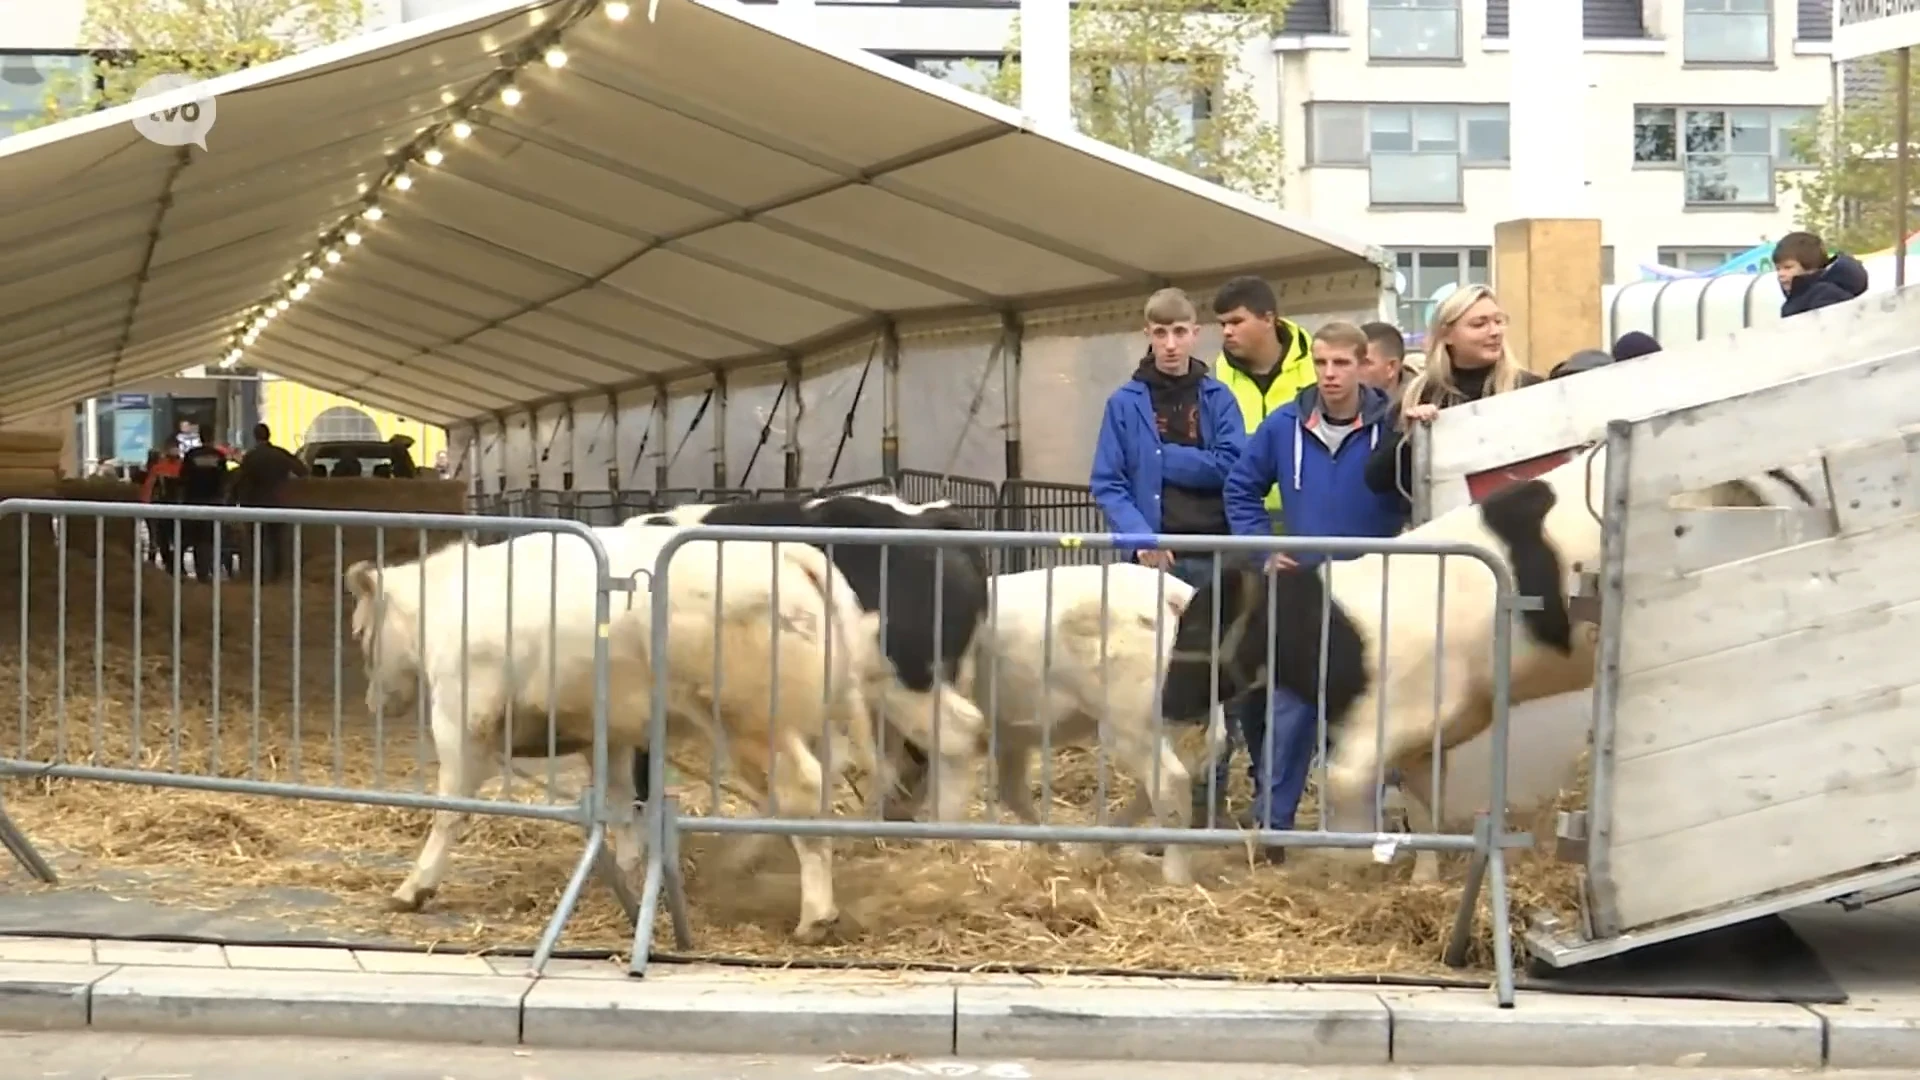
374	213
433	156
617	10
301	290
282	304
462	129
352	238
403	181
556	57
510	95
333	255
314	271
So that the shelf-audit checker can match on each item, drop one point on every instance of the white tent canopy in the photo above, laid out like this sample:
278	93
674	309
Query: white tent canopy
693	195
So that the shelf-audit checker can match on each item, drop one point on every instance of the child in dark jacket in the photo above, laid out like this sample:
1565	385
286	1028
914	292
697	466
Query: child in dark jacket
1316	449
1811	278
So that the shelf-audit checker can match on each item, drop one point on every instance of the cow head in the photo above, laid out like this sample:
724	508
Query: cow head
1187	695
389	647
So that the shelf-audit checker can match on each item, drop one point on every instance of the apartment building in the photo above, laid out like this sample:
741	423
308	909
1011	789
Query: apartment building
1395	112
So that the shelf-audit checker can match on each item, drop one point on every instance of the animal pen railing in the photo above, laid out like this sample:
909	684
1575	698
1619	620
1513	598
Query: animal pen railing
241	685
126	672
815	819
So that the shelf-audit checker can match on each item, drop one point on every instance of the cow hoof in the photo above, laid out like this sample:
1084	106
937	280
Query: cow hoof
400	901
820	931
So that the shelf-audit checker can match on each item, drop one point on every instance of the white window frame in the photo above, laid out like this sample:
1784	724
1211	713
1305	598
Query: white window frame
1700	18
73	62
1678	257
1415	311
1418	17
1365	118
1781	121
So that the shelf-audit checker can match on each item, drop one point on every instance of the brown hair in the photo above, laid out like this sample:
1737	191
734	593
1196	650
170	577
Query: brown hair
1169	306
1344	335
1804	248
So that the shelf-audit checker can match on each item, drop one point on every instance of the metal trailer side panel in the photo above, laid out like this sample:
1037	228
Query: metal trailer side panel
1761	741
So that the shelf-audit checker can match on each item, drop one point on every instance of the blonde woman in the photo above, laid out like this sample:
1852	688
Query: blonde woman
1467	359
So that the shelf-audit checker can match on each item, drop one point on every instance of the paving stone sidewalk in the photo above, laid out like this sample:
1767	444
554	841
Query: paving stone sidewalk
159	987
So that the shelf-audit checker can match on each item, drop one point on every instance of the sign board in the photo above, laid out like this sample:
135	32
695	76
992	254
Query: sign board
1482	484
133	401
1864	27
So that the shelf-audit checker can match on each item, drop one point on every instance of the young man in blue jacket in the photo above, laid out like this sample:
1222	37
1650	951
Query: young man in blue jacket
1316	448
1168	439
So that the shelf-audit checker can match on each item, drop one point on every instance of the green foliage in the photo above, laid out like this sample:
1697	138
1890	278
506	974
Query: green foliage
1849	196
137	40
1140	65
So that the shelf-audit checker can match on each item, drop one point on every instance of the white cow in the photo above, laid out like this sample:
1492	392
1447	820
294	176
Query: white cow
1037	664
818	661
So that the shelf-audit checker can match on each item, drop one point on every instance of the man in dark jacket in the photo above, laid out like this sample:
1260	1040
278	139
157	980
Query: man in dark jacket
261	480
1168	439
203	482
1811	278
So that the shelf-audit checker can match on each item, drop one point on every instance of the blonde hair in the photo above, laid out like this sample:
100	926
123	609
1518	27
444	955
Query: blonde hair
1344	335
1435	382
1169	306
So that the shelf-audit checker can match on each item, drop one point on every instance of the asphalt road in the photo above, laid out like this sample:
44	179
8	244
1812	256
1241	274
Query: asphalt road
88	1055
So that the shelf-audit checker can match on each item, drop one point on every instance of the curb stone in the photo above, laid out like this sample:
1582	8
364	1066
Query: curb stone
714	1018
1257	1025
697	1011
1440	1027
46	995
1872	1033
422	1008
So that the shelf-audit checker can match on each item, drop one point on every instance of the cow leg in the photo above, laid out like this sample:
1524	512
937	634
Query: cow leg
629	840
465	764
1013	762
1416	787
797	782
1170	795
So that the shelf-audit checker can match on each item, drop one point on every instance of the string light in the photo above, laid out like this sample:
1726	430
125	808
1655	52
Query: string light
427	148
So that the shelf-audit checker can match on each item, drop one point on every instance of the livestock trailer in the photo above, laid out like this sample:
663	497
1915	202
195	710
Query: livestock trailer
1752	746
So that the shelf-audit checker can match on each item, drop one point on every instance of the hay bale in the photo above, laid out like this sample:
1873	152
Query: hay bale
28	478
356	543
29	442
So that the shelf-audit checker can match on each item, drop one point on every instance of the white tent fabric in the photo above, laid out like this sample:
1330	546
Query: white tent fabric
703	193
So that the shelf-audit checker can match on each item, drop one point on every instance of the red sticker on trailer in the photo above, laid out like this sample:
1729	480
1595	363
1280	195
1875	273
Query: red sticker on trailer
1482	484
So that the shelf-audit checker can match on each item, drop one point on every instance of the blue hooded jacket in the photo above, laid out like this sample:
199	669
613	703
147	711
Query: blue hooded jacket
1325	492
1131	464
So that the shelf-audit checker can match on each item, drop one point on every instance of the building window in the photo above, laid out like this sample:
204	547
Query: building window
1728	31
1414	154
1116	94
1413	29
1697	260
973	72
1729	156
1430	273
29	80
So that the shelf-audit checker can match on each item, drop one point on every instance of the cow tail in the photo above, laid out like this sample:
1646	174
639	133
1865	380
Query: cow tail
833	596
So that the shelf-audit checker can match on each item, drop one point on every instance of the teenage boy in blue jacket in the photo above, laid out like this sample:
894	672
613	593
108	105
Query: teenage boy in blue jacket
1316	448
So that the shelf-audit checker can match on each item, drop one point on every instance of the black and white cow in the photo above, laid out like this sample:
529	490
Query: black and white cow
1541	529
926	656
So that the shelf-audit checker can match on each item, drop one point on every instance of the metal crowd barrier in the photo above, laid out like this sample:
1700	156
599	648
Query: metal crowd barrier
182	724
756	714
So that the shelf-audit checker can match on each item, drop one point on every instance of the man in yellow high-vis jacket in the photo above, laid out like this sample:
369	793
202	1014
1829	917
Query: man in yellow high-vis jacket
1265	361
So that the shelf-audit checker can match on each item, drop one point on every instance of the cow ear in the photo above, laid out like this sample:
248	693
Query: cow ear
1177	604
362	580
